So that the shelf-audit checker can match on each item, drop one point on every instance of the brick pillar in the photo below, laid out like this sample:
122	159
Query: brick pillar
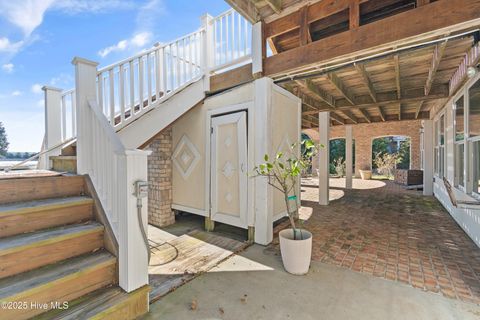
160	211
363	153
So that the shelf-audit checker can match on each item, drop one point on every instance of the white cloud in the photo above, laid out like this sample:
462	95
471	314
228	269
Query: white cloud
94	6
16	93
137	41
37	88
11	47
8	67
26	15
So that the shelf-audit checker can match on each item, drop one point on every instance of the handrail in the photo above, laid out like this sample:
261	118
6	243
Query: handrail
113	137
39	154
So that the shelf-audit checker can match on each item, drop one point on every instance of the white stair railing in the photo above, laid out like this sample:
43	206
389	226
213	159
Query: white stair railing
133	86
113	171
232	40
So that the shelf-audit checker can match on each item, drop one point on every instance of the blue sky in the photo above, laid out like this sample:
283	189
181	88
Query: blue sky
39	38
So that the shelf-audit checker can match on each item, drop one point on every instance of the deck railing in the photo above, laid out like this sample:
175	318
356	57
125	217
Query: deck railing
232	39
133	86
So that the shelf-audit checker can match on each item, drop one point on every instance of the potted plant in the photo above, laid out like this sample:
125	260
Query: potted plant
282	173
365	174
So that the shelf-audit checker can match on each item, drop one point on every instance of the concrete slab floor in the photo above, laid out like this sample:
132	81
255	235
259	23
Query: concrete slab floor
254	285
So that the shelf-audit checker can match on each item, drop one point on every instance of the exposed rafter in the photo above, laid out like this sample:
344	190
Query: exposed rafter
276	5
366	79
318	93
419	108
365	115
437	58
337	118
396	63
399	111
305	36
337	83
350	116
382	114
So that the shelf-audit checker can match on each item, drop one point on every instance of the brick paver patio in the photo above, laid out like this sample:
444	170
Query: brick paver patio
381	229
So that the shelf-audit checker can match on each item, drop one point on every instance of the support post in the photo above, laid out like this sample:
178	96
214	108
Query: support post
133	256
428	151
263	192
349	157
85	90
208	52
257	50
324	157
53	123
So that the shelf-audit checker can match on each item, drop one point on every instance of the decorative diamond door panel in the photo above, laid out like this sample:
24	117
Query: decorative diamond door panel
229	169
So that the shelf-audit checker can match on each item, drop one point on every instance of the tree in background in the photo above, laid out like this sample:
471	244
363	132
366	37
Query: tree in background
3	140
392	145
337	153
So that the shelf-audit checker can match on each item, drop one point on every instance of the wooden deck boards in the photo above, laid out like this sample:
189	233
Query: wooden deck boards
185	257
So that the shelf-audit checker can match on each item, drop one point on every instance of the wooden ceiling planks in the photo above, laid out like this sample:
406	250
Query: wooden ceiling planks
368	92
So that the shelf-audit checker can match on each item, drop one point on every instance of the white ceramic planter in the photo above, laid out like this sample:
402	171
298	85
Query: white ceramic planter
296	254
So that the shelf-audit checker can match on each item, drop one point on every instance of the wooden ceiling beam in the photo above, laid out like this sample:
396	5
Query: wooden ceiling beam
437	58
350	116
276	5
340	86
419	108
399	111
246	8
382	114
422	2
318	93
396	64
397	30
315	11
337	118
365	115
354	14
366	79
305	36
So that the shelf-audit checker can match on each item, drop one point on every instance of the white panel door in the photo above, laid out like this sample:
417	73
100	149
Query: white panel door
229	169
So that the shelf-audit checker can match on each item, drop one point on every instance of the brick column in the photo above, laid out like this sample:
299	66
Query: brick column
160	212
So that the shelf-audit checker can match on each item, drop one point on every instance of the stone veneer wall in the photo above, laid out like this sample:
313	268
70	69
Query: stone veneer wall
160	211
365	133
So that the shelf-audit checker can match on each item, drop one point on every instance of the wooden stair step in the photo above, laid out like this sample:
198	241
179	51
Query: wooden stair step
108	303
58	283
21	217
64	163
32	250
37	188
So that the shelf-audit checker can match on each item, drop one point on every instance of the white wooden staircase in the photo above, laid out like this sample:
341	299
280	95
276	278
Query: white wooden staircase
75	238
55	253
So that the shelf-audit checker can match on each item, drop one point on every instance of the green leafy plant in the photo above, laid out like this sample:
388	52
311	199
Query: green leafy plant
386	163
282	173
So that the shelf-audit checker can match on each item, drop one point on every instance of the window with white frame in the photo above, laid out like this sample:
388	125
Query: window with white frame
459	142
474	135
439	160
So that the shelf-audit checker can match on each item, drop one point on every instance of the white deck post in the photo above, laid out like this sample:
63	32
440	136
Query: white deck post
85	88
348	156
428	157
324	157
208	50
133	257
257	51
53	122
263	192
